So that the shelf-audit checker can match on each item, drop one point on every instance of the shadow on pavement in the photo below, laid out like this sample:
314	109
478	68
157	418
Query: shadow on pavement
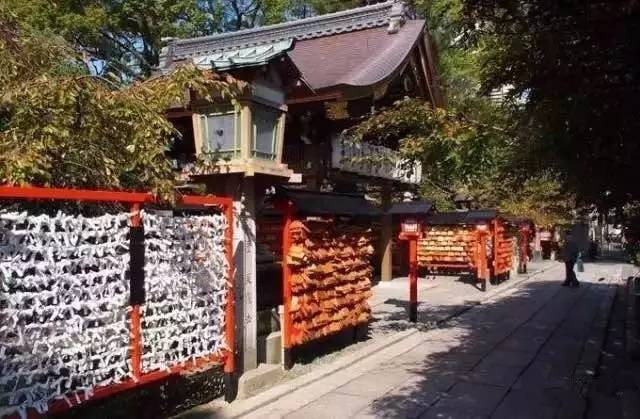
524	355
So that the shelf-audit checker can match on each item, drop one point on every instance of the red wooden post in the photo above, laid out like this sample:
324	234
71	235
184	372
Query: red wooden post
135	342
524	249
231	386
413	279
494	248
286	285
481	257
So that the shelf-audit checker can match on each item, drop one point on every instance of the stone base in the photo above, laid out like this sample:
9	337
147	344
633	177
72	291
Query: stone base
270	348
362	332
251	382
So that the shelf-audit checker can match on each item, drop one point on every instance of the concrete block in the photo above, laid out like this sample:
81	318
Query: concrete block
270	348
375	384
274	348
495	375
526	405
251	382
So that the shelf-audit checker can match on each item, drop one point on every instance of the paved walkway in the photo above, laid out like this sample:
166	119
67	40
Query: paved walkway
527	352
615	393
440	298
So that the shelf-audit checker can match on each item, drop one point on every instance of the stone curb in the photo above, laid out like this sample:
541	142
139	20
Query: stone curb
352	358
274	393
633	340
586	368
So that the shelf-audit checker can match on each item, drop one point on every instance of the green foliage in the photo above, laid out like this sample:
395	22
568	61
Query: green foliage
631	222
574	73
542	199
473	147
452	150
277	11
124	37
67	128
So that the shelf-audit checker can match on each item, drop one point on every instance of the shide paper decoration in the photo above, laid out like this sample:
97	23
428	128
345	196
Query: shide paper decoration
185	286
63	307
64	301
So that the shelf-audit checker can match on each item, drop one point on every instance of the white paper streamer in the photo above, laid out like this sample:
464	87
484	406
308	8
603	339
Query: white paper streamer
185	284
63	306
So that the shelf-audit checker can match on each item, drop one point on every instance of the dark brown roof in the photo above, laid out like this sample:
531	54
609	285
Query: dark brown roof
377	15
307	202
361	58
411	208
358	47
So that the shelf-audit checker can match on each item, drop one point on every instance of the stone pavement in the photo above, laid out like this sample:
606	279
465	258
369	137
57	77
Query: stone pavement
440	298
615	392
529	351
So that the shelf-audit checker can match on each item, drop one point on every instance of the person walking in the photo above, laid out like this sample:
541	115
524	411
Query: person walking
569	256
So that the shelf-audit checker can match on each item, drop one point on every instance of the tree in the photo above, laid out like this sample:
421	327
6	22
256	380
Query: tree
473	147
64	127
541	198
124	37
573	70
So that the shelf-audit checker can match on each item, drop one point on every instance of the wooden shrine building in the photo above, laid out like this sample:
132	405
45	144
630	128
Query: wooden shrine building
309	79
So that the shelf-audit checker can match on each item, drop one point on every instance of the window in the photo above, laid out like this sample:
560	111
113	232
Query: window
219	133
265	132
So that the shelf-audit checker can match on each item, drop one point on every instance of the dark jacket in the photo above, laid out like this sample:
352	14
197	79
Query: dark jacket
570	250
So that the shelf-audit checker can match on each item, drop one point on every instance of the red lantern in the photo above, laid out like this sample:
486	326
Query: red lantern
411	228
483	227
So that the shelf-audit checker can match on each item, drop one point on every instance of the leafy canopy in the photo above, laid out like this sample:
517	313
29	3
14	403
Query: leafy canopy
573	69
124	37
474	147
62	126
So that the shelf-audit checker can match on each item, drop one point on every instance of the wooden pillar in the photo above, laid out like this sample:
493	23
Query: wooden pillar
386	260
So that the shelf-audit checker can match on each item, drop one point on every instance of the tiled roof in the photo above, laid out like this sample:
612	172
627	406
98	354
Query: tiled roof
357	47
241	57
330	24
361	58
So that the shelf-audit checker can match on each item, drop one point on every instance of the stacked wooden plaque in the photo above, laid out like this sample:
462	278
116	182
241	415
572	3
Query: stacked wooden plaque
447	245
504	250
331	278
